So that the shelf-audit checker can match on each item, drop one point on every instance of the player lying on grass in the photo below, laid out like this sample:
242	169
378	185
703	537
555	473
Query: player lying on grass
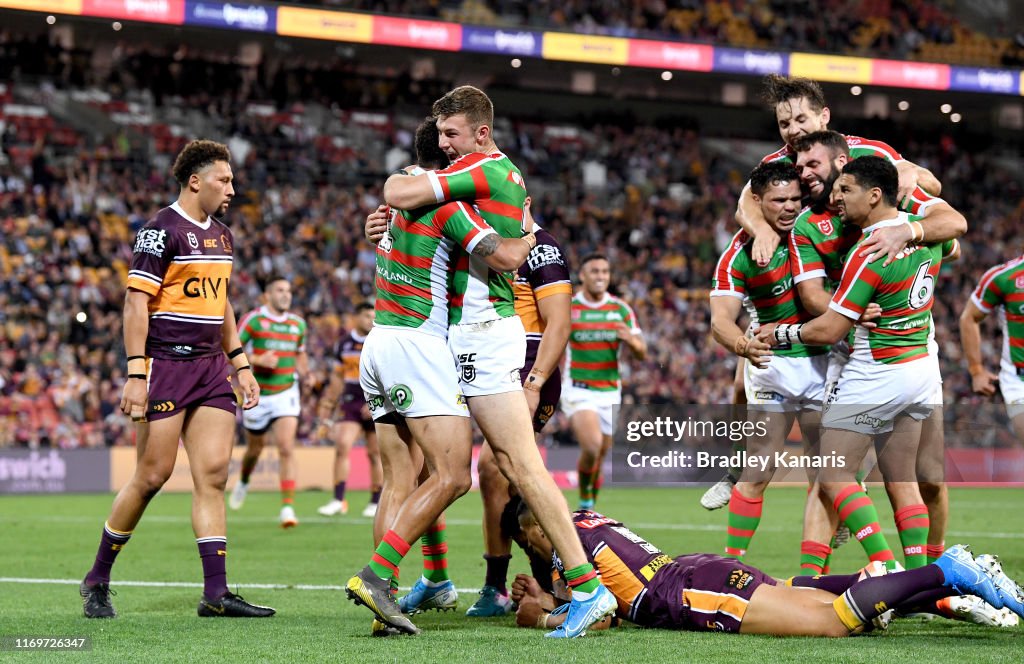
706	592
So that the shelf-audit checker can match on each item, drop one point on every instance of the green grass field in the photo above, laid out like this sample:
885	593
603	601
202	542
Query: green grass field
55	537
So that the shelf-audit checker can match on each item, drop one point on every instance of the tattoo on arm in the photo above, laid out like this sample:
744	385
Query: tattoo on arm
487	245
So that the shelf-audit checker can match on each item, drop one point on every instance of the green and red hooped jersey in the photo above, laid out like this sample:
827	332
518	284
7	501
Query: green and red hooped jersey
768	291
904	290
261	331
495	187
594	341
1002	289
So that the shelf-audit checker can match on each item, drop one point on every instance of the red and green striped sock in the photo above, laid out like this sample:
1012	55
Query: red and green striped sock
388	556
744	516
582	580
287	492
912	525
935	551
435	553
814	557
587	477
856	509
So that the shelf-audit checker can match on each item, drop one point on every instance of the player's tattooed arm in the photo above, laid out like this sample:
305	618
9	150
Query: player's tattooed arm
504	254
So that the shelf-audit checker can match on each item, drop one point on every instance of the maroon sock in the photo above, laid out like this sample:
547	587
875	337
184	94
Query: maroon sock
925	602
836	584
876	595
213	553
111	543
339	491
497	572
375	495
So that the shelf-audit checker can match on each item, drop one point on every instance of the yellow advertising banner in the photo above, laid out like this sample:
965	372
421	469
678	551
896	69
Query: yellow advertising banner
586	48
835	68
319	24
55	6
314	469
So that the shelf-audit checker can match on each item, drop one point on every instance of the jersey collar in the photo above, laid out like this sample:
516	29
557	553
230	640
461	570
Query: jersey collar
266	312
593	305
901	217
204	225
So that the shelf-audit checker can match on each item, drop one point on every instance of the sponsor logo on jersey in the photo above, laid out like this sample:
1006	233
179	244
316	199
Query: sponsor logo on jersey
224	243
182	350
151	241
739	579
543	255
205	287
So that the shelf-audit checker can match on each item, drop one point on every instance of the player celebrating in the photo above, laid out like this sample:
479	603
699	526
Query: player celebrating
487	338
890	365
276	340
179	334
793	378
355	415
407	374
601	324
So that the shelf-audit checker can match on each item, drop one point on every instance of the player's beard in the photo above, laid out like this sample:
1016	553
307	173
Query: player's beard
820	202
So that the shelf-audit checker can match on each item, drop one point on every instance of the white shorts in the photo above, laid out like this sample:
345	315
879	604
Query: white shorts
409	372
488	356
868	397
787	383
576	399
272	406
1012	388
838	356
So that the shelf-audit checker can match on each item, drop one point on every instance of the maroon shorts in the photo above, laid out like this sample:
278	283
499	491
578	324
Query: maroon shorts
177	385
701	592
353	402
550	393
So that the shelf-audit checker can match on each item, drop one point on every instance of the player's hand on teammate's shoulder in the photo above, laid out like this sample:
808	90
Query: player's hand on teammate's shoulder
376	224
888	242
765	244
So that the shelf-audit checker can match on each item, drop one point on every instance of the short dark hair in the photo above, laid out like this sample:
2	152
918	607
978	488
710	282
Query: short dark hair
196	156
363	306
871	172
428	153
832	140
770	173
468	100
778	88
271	279
592	257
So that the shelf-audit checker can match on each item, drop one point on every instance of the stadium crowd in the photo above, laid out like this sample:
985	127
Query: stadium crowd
658	201
902	29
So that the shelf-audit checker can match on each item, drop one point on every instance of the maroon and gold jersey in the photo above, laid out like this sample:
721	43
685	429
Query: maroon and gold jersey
347	355
185	267
625	561
545	273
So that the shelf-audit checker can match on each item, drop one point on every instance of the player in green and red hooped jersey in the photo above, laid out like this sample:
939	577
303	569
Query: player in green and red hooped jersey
791	379
1001	289
800	109
601	325
817	256
866	195
465	117
276	342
